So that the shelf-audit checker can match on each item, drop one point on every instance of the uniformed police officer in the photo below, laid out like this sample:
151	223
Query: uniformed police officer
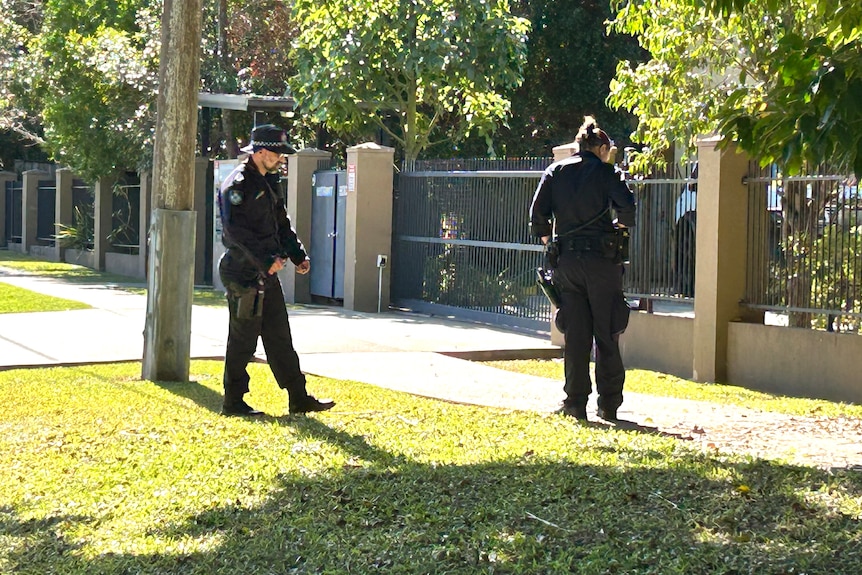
260	241
580	195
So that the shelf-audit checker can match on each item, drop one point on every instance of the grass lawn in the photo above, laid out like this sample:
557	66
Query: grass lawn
17	300
653	383
101	472
80	274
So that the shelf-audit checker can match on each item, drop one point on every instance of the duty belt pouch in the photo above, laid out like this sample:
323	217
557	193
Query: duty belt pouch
611	247
249	302
624	238
552	254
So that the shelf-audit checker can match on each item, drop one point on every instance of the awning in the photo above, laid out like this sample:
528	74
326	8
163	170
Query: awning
245	102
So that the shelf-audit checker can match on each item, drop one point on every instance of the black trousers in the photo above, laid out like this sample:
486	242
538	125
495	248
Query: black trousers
593	308
273	328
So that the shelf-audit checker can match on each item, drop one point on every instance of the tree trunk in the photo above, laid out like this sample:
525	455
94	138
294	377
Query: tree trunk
167	333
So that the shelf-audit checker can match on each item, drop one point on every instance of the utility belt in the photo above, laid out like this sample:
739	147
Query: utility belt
613	246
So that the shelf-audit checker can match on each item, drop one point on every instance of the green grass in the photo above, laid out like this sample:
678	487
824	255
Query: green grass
17	300
57	270
653	383
101	472
74	273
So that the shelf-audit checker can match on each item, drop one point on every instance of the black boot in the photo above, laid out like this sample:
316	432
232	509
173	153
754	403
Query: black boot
308	404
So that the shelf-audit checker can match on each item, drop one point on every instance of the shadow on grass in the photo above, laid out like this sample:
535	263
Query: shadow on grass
387	511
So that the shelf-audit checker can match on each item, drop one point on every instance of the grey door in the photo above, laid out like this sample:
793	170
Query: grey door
328	217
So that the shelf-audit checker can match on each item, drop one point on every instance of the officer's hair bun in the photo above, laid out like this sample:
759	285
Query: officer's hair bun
590	135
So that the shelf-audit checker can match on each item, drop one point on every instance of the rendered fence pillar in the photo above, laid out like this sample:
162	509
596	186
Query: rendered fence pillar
146	207
63	208
102	220
369	227
722	215
300	168
30	208
4	177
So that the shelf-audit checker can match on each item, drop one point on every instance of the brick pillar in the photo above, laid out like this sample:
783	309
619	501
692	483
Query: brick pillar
369	227
63	208
722	216
102	220
300	168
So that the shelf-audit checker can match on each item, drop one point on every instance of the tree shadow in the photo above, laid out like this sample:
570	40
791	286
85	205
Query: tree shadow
527	515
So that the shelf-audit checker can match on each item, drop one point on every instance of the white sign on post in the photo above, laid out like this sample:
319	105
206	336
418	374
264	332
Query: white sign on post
351	178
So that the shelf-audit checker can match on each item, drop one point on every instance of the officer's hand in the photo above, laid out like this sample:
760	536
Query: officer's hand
303	268
276	265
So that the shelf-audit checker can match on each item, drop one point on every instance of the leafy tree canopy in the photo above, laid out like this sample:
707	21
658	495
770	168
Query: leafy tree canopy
87	70
571	60
417	70
780	78
812	111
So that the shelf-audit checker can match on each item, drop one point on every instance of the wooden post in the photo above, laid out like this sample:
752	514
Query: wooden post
170	281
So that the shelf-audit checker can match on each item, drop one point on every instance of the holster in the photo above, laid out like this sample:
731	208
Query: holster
545	280
249	301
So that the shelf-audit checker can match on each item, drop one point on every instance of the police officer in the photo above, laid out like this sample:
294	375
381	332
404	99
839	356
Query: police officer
580	195
260	241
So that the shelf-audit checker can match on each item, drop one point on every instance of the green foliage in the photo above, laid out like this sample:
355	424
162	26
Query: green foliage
571	60
80	234
101	472
88	72
780	78
415	70
836	274
460	276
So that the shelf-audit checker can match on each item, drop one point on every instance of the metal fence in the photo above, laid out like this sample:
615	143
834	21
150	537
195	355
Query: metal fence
805	248
462	242
125	214
663	246
14	198
47	205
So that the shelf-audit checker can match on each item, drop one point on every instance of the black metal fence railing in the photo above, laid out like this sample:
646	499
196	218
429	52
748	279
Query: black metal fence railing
663	246
126	215
461	243
14	198
47	206
461	240
805	248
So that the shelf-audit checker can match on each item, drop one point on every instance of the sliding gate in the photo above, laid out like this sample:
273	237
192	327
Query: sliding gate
462	243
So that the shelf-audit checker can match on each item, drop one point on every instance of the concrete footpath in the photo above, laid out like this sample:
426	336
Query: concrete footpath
408	352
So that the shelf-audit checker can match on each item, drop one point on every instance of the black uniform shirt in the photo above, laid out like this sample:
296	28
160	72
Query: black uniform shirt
574	191
254	217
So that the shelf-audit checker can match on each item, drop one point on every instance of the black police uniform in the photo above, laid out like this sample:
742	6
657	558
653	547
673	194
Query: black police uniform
256	230
577	193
